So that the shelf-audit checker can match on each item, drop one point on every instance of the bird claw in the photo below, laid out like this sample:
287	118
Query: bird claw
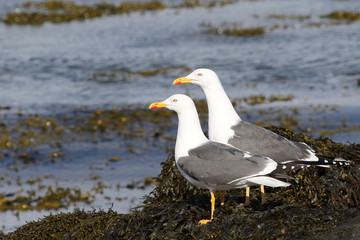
204	221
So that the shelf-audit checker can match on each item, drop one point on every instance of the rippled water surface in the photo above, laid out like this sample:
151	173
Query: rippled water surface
51	69
52	64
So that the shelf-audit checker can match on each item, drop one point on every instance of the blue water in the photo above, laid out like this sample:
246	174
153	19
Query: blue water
51	64
48	69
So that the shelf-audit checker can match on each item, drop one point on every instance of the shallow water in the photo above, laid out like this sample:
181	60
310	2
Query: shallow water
49	69
51	64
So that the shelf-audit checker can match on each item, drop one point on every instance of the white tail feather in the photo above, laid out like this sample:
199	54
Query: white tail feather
267	181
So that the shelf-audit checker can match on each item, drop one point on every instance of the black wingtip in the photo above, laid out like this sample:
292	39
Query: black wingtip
326	160
322	162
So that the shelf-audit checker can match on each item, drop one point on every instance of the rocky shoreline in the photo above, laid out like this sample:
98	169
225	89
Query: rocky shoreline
322	201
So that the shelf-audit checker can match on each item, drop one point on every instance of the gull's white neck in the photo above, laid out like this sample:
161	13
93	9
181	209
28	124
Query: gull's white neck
190	134
222	115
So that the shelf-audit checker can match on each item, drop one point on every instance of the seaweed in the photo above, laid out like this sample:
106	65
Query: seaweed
117	76
208	4
320	200
256	31
18	135
66	11
59	11
261	99
234	30
328	132
52	199
343	15
292	17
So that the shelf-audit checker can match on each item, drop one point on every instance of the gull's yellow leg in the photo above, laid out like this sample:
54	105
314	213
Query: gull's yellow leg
222	198
263	198
247	199
212	200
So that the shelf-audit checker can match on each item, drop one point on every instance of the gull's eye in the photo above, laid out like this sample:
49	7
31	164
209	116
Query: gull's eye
199	74
174	100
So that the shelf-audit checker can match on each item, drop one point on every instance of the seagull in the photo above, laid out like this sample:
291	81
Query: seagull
212	165
226	126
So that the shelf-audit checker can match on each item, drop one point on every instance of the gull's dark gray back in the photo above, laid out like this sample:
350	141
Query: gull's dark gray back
216	163
260	141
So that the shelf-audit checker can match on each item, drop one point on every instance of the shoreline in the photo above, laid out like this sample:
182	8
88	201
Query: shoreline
324	200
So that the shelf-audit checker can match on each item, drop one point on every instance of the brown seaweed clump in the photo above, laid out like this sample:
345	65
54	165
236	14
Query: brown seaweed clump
209	4
320	200
236	31
292	17
261	99
66	11
59	11
52	199
344	15
243	31
111	77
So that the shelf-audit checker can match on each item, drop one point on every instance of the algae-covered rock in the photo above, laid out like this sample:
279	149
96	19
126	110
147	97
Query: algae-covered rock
292	17
320	200
59	11
66	11
244	32
344	15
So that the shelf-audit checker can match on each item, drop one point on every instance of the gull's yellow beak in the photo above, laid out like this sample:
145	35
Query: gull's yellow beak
181	80
157	105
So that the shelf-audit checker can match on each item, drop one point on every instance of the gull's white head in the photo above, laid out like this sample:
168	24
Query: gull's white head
202	77
177	103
